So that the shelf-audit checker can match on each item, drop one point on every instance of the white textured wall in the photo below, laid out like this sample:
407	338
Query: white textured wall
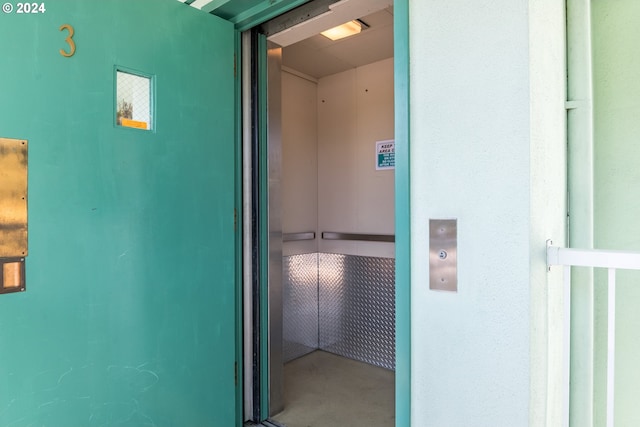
299	161
548	177
616	67
480	137
355	109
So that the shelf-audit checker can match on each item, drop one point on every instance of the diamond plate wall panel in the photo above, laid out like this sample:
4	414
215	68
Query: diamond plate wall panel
300	305
357	307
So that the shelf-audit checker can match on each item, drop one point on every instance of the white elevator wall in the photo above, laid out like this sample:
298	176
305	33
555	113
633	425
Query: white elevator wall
329	178
299	162
355	109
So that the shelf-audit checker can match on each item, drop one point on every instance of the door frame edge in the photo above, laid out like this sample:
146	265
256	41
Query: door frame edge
401	40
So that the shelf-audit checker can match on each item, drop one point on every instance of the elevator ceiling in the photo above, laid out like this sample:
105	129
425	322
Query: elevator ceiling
318	56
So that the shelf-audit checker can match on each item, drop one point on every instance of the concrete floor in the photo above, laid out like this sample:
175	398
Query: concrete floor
322	389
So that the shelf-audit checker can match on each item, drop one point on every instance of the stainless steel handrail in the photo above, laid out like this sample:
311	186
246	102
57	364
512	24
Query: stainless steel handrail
293	237
330	235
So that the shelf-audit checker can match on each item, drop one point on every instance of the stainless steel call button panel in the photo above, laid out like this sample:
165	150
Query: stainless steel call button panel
443	255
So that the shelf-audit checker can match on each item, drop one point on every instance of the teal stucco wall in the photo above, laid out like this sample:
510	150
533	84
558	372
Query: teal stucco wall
128	318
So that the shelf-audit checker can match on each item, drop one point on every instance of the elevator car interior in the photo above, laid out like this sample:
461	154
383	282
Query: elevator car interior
334	197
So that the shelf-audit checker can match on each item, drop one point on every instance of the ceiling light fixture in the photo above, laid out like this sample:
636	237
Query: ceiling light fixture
347	29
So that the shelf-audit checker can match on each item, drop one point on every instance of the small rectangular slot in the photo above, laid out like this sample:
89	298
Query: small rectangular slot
12	275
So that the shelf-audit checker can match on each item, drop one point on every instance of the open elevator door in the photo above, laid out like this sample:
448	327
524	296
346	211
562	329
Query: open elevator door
263	291
262	270
262	267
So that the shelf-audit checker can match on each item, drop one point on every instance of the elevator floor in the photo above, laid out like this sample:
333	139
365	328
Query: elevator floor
322	389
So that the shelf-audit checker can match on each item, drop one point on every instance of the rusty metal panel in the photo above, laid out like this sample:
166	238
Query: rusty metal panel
13	197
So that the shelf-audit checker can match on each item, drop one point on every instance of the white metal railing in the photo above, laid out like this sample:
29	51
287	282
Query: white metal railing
612	261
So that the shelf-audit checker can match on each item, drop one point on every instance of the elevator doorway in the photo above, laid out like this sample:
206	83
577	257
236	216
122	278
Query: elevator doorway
332	320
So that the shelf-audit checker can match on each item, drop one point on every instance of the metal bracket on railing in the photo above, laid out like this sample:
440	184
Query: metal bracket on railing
552	254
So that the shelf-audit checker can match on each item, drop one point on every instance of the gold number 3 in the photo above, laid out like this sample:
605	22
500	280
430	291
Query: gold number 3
72	44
